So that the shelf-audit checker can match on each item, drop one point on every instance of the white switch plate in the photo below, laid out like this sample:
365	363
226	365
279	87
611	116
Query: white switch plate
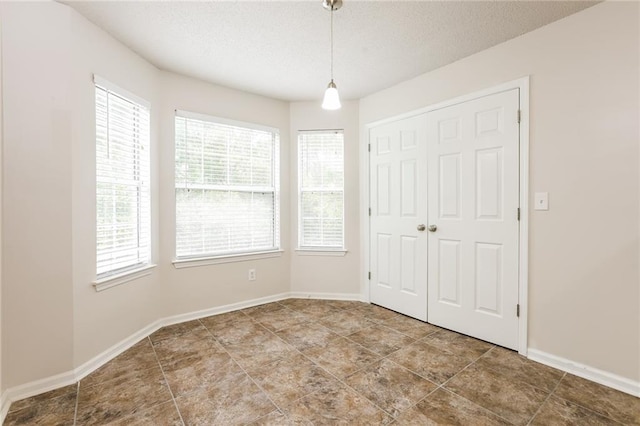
541	201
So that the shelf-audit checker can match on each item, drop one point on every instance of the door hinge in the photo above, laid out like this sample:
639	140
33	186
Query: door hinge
519	116
518	213
369	275
518	310
369	211
369	147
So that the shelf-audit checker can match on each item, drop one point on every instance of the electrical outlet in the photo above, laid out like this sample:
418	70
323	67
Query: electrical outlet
252	274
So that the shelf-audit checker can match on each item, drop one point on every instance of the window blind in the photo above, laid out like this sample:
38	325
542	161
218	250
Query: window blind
123	220
321	189
226	179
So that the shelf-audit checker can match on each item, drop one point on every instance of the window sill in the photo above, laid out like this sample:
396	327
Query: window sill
320	252
230	258
115	280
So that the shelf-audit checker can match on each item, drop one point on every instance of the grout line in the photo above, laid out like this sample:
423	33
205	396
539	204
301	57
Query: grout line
75	411
322	368
545	400
244	370
382	357
173	398
577	403
442	386
475	403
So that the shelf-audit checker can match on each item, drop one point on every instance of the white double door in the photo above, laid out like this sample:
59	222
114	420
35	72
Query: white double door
444	191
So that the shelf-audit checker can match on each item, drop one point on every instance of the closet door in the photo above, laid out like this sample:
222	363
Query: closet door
473	158
398	199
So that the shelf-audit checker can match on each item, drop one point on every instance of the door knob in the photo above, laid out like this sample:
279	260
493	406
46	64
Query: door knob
433	228
421	228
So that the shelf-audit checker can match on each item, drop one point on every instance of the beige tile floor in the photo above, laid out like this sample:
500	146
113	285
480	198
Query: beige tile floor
299	361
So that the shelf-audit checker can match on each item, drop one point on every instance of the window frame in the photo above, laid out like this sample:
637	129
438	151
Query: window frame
305	250
202	259
116	276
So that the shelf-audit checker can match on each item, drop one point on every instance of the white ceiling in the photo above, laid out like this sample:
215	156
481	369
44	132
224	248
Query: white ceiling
280	49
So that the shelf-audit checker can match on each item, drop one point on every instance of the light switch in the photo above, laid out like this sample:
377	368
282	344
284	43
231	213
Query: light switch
541	201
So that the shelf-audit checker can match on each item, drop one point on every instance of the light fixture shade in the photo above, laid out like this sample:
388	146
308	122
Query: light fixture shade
331	99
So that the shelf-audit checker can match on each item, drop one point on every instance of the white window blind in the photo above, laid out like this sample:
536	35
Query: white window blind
227	183
123	220
321	189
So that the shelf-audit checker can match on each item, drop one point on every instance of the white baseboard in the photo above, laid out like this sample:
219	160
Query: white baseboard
98	361
34	388
64	379
4	406
176	319
602	377
326	296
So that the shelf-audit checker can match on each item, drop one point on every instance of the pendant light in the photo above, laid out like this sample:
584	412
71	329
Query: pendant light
331	99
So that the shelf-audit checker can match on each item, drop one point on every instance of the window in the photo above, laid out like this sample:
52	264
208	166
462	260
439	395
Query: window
226	178
123	223
321	190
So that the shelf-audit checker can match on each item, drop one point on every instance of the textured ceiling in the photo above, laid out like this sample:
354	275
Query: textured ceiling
280	49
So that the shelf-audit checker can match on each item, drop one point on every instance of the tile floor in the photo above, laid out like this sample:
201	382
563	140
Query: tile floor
299	361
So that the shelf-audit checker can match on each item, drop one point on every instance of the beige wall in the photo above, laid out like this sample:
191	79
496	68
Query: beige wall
103	319
50	307
36	275
584	301
328	274
191	289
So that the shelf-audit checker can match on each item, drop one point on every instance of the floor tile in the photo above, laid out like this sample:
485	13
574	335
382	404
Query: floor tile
307	335
277	418
410	326
348	305
65	391
295	303
186	375
458	344
342	357
257	352
243	331
520	368
267	307
556	411
114	399
232	402
175	330
198	341
57	410
390	386
380	339
336	405
608	402
344	322
165	414
137	358
278	319
291	378
445	408
317	311
430	362
516	402
346	363
377	313
223	321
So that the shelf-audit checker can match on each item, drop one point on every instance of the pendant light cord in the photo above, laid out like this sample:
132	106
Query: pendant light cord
331	41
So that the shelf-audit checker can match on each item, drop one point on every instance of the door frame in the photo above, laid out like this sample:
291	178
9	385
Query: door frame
523	233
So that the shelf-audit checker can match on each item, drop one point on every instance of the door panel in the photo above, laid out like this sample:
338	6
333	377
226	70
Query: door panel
472	158
398	205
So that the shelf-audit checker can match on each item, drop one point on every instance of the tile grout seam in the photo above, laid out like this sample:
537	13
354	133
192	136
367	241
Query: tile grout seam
164	376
